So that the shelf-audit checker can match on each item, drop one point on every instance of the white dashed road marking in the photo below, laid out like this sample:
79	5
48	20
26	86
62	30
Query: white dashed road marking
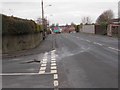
113	48
53	64
53	61
55	76
43	64
88	40
99	44
54	69
24	74
56	83
44	59
42	68
41	72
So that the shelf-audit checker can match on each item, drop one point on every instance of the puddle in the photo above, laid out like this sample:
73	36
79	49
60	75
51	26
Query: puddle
66	53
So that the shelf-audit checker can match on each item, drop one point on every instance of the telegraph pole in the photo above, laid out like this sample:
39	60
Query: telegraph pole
43	28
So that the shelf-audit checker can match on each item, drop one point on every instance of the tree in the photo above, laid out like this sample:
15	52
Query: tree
57	24
81	25
52	26
86	20
77	28
39	20
105	17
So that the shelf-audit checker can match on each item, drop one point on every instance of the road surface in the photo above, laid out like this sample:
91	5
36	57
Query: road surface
65	61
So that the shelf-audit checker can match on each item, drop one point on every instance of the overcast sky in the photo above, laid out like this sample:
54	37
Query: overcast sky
61	11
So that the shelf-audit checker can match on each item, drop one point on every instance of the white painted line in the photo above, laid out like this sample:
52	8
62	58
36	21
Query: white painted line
44	58
53	61
53	64
56	83
14	74
22	74
114	48
53	57
53	51
41	72
42	68
44	62
43	65
46	53
98	43
88	40
53	71
53	67
55	76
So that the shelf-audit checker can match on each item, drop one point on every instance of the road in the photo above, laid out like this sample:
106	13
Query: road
65	61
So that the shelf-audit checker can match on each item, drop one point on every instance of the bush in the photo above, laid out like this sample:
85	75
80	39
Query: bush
104	25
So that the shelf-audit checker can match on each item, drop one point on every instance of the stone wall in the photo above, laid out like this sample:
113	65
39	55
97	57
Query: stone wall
13	43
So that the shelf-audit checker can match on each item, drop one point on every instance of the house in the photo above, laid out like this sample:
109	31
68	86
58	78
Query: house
68	29
113	27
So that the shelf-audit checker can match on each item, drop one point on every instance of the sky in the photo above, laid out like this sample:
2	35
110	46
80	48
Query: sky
61	11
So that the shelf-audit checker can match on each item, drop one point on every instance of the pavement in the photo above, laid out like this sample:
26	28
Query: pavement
64	61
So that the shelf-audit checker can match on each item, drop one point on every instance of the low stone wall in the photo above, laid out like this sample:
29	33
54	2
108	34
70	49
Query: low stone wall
13	43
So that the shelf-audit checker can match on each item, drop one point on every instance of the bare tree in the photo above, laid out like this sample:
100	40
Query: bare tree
106	16
86	20
39	20
83	20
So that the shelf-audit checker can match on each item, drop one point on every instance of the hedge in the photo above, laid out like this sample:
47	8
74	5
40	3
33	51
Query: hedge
15	26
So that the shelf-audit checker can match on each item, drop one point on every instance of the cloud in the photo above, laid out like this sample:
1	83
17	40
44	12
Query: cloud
62	11
60	1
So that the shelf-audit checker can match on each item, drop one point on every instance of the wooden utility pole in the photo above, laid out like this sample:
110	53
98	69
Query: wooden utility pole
43	24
